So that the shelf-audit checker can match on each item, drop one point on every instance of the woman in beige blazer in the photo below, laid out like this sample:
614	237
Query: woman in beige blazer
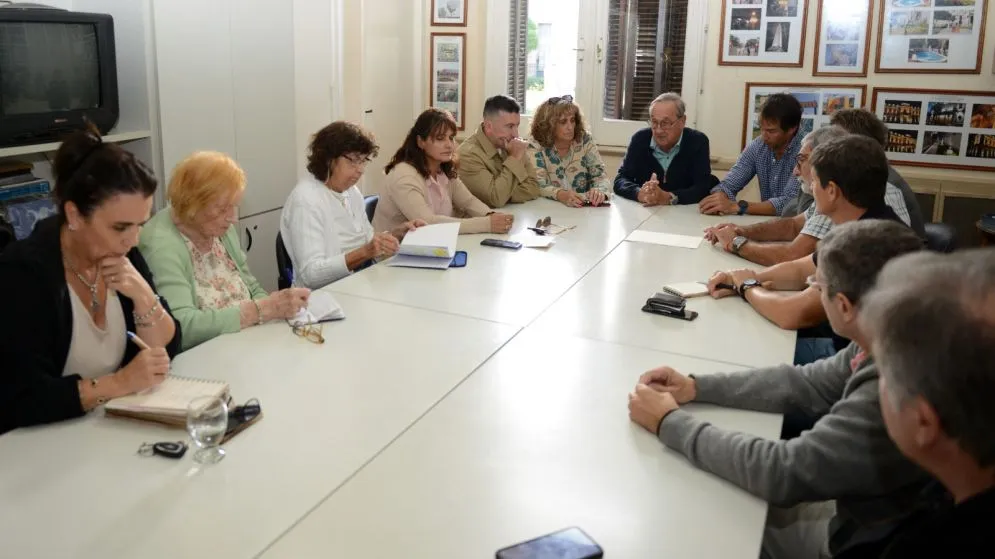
422	184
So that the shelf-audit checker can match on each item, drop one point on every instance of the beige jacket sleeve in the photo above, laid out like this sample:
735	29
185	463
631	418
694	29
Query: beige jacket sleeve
408	192
514	182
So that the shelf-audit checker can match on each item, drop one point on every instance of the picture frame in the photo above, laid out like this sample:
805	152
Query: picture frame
447	74
842	38
763	33
819	102
942	128
931	36
449	13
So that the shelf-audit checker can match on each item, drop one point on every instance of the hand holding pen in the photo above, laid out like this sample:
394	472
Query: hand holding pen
147	369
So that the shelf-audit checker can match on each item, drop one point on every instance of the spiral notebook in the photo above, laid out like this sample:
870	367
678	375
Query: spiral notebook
167	402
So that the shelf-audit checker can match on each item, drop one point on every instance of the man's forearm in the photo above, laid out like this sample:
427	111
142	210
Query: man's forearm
767	254
788	310
782	229
761	208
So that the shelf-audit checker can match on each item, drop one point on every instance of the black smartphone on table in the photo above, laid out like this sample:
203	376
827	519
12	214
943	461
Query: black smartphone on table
500	243
569	543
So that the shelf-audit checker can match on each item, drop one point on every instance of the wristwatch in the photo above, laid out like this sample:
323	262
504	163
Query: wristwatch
743	206
673	199
738	242
746	285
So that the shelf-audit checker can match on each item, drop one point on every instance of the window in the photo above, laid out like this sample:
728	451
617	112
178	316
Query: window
613	56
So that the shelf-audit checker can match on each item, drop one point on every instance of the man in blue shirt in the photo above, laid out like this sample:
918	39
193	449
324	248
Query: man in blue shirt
666	163
771	158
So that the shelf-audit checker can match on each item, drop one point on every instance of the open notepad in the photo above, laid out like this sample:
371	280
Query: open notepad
321	307
167	402
429	246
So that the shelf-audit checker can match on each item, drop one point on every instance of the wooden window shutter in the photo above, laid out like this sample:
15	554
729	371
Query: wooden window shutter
518	49
645	54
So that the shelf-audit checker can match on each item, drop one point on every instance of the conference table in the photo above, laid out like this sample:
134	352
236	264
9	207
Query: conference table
451	413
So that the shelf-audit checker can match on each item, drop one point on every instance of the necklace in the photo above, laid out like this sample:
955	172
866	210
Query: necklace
94	302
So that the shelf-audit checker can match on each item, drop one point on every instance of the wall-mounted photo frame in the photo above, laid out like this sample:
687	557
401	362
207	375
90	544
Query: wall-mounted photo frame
449	13
447	74
931	36
818	103
762	33
842	38
938	127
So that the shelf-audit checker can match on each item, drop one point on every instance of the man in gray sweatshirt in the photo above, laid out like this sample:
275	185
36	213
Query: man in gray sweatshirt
842	483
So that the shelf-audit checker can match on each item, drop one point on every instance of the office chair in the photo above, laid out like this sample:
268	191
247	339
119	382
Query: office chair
370	202
284	266
941	237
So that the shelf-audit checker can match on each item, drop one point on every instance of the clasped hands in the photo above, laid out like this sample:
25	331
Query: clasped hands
650	194
573	199
722	235
659	392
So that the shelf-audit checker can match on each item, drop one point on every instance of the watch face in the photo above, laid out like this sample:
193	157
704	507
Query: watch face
751	282
743	204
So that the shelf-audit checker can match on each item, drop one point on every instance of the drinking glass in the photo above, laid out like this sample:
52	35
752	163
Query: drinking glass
207	420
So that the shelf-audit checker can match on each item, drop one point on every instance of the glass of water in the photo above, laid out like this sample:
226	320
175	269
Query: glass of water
207	420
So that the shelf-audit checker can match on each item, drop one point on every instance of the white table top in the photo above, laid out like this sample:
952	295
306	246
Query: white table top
606	304
77	488
503	285
536	440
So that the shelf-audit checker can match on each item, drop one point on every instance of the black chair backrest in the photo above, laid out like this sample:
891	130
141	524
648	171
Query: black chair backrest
371	205
284	266
941	237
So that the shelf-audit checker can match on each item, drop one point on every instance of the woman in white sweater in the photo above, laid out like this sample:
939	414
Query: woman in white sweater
422	185
323	223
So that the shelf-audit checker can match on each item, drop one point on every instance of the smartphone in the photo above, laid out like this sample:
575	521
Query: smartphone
459	260
570	543
501	244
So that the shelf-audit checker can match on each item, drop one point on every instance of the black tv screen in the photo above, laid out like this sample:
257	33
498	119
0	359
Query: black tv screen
48	67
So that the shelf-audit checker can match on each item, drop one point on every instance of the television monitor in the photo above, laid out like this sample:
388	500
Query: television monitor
57	69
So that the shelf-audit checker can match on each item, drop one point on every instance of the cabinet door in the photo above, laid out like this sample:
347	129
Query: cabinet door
262	42
258	235
193	60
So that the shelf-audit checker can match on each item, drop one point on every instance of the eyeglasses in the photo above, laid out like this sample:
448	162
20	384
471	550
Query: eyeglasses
663	124
563	99
358	161
802	159
545	226
310	332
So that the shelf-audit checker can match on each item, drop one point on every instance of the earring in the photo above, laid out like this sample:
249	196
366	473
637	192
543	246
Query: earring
72	227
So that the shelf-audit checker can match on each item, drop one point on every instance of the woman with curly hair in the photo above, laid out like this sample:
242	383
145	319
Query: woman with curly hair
568	165
324	224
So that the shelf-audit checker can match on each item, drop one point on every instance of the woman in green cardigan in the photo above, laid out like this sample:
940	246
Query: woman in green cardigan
193	251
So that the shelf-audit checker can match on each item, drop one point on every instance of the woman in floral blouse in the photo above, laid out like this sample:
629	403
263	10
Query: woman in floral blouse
193	250
568	165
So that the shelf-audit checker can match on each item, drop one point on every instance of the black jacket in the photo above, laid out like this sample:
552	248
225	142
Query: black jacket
689	176
36	329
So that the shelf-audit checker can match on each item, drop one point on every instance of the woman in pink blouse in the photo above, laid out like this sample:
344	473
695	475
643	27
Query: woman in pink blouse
422	184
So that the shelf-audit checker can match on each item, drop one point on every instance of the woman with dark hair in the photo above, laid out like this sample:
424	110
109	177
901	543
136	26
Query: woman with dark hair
422	184
324	224
76	287
568	166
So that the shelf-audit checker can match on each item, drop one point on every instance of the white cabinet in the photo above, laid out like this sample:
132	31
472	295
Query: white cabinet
258	236
226	83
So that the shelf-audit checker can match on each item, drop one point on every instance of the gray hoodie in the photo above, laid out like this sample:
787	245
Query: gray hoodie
847	456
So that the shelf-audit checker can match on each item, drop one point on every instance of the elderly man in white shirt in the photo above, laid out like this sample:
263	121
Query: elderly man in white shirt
323	223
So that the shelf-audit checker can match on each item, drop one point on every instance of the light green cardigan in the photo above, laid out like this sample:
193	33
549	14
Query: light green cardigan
169	259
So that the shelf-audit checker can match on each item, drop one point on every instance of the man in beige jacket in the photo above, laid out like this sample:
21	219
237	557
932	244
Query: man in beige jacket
493	163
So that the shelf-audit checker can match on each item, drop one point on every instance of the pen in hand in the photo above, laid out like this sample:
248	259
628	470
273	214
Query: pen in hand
138	341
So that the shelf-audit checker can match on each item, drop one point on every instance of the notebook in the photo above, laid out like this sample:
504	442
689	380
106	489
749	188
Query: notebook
167	402
321	307
429	246
687	289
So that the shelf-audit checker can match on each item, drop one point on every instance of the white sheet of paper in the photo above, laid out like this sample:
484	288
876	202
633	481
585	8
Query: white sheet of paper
321	306
688	289
534	241
408	261
668	239
436	241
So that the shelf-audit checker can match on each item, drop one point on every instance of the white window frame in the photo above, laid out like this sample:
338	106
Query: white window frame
590	92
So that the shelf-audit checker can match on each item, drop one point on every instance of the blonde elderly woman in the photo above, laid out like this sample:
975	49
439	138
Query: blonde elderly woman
193	251
568	165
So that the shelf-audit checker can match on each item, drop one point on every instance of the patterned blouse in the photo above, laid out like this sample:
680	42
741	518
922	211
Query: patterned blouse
580	170
217	283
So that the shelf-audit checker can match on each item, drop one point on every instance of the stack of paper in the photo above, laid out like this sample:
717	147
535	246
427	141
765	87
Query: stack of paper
534	241
321	307
430	246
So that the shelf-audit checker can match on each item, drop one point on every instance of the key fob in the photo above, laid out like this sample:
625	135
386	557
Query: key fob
173	450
